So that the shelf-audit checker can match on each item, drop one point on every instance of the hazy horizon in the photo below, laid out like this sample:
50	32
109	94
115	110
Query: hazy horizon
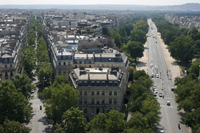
102	2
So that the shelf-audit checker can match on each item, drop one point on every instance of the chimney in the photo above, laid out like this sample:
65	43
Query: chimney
88	75
87	56
107	74
93	55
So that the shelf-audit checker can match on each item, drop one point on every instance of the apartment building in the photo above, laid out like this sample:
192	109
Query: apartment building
100	89
91	63
13	38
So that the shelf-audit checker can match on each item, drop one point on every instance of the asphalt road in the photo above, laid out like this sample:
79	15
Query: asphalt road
169	117
39	122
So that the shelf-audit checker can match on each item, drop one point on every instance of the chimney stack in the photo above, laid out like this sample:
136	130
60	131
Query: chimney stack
107	74
93	55
88	75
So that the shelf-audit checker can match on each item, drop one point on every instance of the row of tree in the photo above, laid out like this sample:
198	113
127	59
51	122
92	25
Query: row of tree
44	68
183	43
130	37
143	106
15	109
187	97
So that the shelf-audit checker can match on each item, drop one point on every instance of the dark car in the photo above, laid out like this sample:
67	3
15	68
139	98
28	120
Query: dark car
160	95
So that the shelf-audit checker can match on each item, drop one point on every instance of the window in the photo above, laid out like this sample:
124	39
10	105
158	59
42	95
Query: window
64	63
102	93
85	93
115	101
68	63
92	101
81	93
5	66
110	101
10	65
90	66
85	101
97	93
103	101
110	93
59	70
97	101
115	93
92	92
59	63
85	110
10	60
80	101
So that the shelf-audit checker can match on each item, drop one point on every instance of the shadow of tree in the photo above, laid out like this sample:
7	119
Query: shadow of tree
141	64
182	117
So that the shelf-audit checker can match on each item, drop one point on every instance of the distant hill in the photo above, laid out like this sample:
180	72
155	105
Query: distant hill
184	7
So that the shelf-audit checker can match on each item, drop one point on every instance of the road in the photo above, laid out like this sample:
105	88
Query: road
169	117
39	122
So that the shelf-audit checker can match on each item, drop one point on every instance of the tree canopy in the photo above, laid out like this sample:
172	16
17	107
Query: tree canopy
24	84
13	104
59	98
111	122
181	49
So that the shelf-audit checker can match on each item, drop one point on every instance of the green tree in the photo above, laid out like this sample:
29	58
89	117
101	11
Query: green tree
136	49
115	122
169	37
58	99
138	74
194	68
98	122
181	49
74	121
112	122
28	60
24	84
142	25
197	48
13	127
14	105
45	71
194	34
138	35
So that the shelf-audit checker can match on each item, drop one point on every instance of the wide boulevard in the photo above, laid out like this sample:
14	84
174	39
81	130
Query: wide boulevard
169	117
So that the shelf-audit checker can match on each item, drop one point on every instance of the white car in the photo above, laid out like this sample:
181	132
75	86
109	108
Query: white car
157	76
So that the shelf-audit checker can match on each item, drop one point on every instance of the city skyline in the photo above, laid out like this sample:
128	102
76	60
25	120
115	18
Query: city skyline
89	2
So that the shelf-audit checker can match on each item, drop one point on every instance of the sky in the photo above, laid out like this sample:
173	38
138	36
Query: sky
88	2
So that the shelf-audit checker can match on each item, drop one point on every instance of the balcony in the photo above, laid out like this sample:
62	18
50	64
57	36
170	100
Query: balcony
98	105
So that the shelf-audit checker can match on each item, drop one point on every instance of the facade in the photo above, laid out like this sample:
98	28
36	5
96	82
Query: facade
100	89
13	38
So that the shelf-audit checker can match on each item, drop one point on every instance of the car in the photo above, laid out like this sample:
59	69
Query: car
168	103
160	95
32	91
155	94
172	89
154	88
162	131
157	76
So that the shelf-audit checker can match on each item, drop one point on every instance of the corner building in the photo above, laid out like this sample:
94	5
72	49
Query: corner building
100	89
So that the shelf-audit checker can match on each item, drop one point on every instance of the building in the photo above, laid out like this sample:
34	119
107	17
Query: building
13	38
100	89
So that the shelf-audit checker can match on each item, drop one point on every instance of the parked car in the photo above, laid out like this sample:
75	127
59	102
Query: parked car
160	95
155	94
157	76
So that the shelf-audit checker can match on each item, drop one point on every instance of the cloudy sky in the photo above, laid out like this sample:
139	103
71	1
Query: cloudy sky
86	2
